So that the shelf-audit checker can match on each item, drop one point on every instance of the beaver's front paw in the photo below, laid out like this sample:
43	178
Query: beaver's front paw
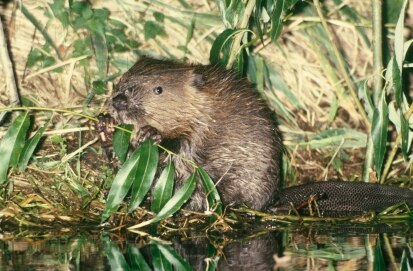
105	128
144	133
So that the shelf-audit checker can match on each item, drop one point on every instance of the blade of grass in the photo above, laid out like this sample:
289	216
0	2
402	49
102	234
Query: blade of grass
137	260
40	28
173	257
214	200
174	204
159	261
114	256
162	191
121	185
145	173
379	133
30	147
12	144
120	142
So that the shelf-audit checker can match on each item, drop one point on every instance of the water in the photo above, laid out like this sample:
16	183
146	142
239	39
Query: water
316	247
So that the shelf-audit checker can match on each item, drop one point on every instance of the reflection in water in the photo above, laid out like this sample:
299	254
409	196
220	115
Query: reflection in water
303	249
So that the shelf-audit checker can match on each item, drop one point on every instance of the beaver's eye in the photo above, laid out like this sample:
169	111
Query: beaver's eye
158	90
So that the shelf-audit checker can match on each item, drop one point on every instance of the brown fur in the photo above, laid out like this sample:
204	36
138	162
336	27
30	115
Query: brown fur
210	116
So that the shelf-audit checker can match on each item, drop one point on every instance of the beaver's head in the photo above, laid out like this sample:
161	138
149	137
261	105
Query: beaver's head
161	94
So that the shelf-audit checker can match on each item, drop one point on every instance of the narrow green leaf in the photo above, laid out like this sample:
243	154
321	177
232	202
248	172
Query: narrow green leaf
121	185
12	144
214	201
239	64
152	29
213	257
379	133
101	53
137	261
159	261
405	136
391	11
232	12
121	142
257	20
333	138
174	204
364	94
162	191
115	257
260	73
276	19
378	263
23	125
173	257
399	38
397	83
39	27
224	40
145	173
30	147
278	82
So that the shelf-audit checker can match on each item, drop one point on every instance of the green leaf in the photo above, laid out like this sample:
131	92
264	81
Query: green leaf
121	185
405	136
59	11
30	147
220	47
378	263
214	201
278	82
145	173
333	138
151	29
158	260
173	257
239	64
39	27
232	11
121	142
276	19
174	204
99	86
397	83
115	256
399	38
163	189
137	261
391	11
379	133
257	20
159	17
364	94
12	144
101	53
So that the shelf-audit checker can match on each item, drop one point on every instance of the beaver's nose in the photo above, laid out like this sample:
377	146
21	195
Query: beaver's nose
120	101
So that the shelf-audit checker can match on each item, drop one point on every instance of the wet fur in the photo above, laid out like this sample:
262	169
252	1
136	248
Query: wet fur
212	117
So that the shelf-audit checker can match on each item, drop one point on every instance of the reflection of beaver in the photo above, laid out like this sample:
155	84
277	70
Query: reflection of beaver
212	117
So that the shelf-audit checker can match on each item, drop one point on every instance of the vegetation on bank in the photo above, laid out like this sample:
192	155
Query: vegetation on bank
49	155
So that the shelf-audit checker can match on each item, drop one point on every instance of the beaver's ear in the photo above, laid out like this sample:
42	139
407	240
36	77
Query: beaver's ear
197	80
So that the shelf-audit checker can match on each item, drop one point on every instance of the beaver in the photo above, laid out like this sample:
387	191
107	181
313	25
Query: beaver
216	119
209	116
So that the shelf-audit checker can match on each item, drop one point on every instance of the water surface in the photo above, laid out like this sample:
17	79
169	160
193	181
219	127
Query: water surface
299	247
